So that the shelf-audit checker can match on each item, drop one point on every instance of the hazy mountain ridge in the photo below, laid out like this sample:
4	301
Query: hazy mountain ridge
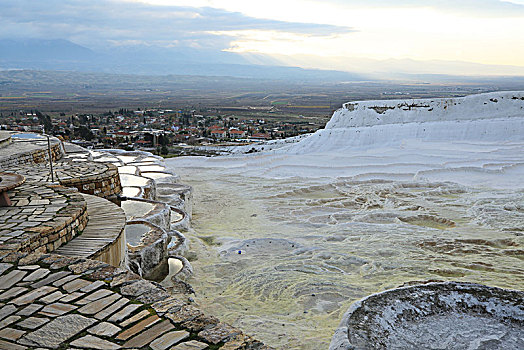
65	55
405	68
34	50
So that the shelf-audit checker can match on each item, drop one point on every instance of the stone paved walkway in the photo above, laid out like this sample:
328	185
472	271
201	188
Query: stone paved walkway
53	301
20	151
77	172
30	158
63	170
105	228
56	301
41	218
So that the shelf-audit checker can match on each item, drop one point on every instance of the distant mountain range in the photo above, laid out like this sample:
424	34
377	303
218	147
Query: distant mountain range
64	55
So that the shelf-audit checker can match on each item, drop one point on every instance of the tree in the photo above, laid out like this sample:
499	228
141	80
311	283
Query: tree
163	140
85	133
45	120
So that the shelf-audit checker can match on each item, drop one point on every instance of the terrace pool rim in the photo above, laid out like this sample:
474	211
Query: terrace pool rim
343	338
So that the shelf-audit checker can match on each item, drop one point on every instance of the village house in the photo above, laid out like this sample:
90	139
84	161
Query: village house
217	133
260	137
237	134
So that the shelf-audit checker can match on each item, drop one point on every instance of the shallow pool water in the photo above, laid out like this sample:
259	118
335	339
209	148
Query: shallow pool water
131	191
134	233
149	168
175	265
136	209
28	136
285	243
156	175
133	180
127	169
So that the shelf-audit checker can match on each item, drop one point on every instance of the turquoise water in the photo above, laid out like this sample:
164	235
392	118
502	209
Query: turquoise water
28	136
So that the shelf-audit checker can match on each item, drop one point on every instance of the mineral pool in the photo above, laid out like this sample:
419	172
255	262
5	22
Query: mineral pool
283	241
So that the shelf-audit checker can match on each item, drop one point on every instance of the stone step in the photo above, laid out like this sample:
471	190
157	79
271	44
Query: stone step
100	179
104	229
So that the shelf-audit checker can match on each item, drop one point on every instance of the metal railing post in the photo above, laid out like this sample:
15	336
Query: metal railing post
50	158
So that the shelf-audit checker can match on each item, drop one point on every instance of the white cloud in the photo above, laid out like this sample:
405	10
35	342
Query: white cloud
423	33
483	31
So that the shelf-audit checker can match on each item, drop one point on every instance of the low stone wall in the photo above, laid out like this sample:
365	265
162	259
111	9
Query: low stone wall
34	156
105	184
5	139
42	218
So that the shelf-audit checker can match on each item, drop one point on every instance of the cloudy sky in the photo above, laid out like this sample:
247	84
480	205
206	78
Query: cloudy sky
324	31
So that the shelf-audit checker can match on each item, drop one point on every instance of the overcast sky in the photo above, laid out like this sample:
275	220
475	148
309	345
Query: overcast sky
481	31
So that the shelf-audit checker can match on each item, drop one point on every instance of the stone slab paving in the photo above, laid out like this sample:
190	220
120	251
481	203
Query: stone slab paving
36	275
11	334
104	329
91	342
57	309
3	267
123	314
191	345
145	337
5	345
8	280
12	292
137	317
33	322
6	310
51	298
169	339
137	328
92	312
29	310
41	218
